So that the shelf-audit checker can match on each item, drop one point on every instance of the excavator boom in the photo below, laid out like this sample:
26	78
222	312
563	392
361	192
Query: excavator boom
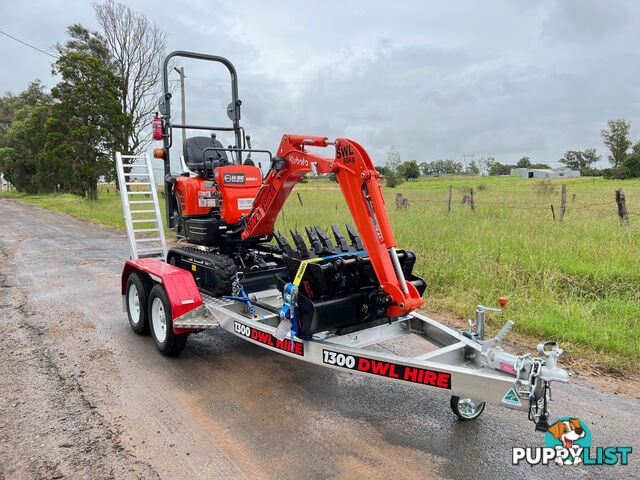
357	178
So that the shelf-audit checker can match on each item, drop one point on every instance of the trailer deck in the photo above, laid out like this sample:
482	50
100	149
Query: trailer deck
411	349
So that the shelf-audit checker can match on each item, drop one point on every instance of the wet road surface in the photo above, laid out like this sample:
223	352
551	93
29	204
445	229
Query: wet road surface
83	396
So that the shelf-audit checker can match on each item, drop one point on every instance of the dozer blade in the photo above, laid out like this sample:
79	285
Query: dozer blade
341	242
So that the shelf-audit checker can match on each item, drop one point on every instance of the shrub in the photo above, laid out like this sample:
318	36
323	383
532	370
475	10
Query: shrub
544	188
617	173
393	180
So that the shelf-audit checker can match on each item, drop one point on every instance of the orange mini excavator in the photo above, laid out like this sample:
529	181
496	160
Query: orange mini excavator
223	207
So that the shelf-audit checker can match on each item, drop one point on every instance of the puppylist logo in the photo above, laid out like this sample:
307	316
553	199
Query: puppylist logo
568	442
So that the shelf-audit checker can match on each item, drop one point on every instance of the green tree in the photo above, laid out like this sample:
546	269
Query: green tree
10	104
394	162
617	140
496	168
28	136
524	162
18	170
383	171
410	170
484	164
81	130
632	162
578	160
473	168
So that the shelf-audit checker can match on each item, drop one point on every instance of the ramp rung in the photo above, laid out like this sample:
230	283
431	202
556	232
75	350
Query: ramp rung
150	250
138	170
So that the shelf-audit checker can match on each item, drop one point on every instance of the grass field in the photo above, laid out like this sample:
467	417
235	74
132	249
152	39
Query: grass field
575	281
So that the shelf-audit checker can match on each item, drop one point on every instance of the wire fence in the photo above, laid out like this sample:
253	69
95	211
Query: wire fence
592	204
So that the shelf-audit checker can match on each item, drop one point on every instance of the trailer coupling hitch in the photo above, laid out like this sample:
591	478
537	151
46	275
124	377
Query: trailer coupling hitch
533	375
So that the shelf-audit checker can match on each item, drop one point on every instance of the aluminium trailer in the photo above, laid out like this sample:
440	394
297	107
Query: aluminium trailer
164	299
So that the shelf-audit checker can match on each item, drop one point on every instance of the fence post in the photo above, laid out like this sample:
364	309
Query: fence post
300	199
553	213
563	201
622	207
473	205
449	199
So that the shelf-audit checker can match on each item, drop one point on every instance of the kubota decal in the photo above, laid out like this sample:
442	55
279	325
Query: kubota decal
299	161
268	339
387	369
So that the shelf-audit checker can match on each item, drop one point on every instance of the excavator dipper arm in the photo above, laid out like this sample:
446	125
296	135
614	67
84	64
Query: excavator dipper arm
357	178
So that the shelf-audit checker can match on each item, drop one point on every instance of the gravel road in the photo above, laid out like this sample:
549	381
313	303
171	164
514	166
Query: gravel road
82	396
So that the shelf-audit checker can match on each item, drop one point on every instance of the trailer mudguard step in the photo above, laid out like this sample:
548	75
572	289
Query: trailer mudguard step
179	284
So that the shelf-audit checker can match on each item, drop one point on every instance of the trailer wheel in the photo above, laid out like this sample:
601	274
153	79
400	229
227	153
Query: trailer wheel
138	288
466	408
161	323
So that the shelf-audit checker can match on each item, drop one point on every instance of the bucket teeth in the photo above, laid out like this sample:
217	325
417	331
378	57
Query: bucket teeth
314	240
356	241
328	247
341	242
283	244
299	241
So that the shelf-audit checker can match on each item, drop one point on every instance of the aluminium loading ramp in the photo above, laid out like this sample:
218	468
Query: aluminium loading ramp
141	207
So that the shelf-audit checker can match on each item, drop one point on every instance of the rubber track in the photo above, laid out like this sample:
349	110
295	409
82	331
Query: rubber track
223	267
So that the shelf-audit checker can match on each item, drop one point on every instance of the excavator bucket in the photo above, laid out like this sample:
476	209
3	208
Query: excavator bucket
337	284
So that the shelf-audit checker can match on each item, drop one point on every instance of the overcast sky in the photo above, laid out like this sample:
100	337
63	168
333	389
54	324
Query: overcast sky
495	78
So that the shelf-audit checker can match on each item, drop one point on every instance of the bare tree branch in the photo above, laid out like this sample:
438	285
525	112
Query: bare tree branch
138	48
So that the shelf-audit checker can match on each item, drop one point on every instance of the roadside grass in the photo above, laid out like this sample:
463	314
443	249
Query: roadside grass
575	281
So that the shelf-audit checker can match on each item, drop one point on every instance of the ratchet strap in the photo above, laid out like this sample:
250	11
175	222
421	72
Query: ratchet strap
289	310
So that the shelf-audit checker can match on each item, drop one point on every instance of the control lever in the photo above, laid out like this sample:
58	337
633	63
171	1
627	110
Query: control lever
495	341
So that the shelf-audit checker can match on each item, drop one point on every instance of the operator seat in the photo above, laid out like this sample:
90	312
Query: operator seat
200	160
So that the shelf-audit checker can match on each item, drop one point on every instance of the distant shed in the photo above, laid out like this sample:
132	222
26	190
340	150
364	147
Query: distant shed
561	172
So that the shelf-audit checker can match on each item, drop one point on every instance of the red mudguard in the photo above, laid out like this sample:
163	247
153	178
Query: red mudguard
179	284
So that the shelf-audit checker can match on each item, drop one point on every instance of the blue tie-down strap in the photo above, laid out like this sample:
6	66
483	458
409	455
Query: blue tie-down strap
243	298
289	312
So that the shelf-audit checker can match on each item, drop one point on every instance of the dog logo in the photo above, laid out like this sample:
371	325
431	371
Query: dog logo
567	432
568	442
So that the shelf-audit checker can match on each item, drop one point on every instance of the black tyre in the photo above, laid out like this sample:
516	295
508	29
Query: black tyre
224	269
161	323
136	298
466	408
